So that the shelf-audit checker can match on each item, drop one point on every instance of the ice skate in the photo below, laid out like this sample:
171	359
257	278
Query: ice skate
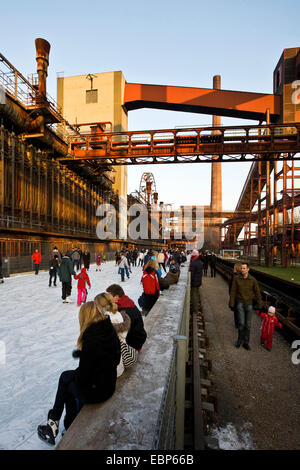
48	432
68	300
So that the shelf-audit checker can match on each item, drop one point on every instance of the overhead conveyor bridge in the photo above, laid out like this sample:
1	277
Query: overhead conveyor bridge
193	145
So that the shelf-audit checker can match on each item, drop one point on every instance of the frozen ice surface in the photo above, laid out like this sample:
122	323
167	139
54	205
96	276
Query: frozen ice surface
39	333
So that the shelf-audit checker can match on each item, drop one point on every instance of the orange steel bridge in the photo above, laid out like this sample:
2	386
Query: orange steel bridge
266	146
192	145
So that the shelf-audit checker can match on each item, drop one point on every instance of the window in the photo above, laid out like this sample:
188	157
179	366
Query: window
91	96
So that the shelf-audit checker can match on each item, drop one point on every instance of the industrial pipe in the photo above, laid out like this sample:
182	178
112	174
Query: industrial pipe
21	119
42	57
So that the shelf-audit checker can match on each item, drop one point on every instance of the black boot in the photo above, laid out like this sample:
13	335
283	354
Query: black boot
246	340
239	340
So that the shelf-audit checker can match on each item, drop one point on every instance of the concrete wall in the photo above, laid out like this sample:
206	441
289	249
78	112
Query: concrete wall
72	95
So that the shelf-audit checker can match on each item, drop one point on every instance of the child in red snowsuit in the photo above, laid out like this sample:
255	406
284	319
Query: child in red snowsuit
83	278
267	327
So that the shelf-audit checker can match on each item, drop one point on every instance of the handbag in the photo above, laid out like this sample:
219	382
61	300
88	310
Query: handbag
129	354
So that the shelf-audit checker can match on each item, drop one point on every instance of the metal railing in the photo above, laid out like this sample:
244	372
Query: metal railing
170	426
15	84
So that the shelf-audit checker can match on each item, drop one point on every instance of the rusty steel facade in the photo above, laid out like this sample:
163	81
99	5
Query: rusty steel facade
38	193
42	202
271	198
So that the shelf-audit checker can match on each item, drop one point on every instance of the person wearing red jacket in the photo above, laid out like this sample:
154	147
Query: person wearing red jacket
98	262
83	278
269	321
37	258
151	289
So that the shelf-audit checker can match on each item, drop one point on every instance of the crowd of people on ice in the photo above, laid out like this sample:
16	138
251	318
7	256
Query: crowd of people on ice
112	330
112	327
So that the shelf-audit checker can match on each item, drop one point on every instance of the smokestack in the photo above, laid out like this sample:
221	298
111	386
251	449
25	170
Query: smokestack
42	57
216	179
148	187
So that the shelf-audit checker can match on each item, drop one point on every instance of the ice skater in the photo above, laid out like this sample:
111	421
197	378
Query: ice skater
37	258
53	268
269	321
94	380
98	262
83	279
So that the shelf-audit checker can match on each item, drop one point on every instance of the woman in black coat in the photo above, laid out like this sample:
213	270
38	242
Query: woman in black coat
94	380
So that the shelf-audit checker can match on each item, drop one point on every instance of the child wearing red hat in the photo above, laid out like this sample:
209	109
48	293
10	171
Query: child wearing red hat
267	327
83	278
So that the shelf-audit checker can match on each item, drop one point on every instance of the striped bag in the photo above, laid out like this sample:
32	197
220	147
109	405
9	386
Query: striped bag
129	354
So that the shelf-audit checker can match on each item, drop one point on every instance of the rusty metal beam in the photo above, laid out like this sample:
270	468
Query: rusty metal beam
238	104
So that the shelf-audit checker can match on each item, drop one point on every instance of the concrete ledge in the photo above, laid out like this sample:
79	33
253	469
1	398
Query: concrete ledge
128	420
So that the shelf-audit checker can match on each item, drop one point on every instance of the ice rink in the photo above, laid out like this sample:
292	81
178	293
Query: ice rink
38	334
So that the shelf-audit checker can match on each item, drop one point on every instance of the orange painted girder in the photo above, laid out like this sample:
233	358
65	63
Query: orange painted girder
208	101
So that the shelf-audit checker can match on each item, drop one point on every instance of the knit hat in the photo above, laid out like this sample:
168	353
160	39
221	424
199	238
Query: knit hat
195	253
271	310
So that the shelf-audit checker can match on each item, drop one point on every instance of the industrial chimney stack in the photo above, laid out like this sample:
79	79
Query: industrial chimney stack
216	182
42	57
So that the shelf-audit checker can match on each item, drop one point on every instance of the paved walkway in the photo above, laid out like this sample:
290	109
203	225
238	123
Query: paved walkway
258	392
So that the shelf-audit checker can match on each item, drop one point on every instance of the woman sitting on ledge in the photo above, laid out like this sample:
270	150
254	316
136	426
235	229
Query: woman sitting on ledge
94	380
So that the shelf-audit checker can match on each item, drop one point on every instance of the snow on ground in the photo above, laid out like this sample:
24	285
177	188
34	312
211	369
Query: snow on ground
39	333
231	438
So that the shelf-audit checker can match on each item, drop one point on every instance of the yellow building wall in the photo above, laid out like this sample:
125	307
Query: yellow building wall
71	97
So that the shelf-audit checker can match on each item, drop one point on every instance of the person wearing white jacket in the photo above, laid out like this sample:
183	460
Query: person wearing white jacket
161	260
141	258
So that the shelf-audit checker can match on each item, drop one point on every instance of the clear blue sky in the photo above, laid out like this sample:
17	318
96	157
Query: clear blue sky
167	42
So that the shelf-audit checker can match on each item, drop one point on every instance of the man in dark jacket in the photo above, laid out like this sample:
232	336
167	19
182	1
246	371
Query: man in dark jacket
86	257
244	292
136	335
66	271
53	269
213	263
196	268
